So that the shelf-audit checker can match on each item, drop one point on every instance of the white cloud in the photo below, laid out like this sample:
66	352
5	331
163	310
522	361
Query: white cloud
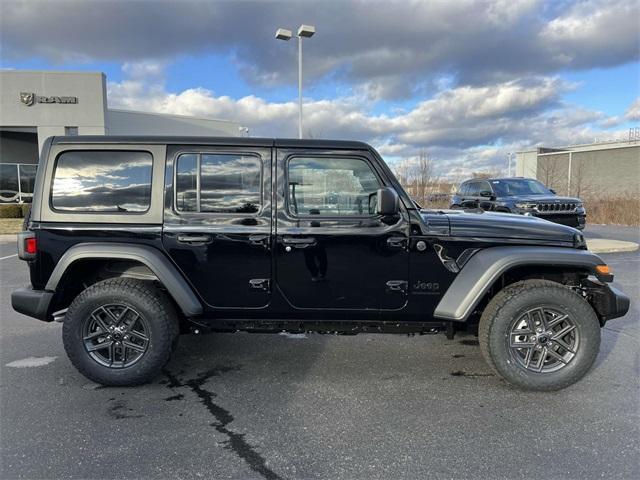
464	129
633	112
396	47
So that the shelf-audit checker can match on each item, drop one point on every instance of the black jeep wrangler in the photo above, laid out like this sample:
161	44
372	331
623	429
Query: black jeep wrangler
134	240
524	196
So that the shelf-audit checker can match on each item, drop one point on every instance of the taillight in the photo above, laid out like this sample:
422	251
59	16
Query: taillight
30	246
27	245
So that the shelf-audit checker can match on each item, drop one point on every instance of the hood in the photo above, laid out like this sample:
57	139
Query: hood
501	226
540	199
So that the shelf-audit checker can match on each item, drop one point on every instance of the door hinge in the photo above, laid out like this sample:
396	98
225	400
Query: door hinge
261	284
397	286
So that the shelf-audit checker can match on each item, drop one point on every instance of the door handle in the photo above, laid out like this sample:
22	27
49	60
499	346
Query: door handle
396	242
261	240
397	286
195	239
299	242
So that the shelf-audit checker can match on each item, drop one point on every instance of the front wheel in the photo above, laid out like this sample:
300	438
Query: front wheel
539	335
120	331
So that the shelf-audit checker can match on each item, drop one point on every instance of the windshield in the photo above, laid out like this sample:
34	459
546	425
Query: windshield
514	187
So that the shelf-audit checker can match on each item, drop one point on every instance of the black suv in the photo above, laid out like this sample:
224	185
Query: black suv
524	196
133	240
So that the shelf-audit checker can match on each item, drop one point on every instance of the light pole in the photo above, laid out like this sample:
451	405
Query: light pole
284	34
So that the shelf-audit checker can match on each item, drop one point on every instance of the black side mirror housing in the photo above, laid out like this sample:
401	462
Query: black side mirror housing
388	202
486	193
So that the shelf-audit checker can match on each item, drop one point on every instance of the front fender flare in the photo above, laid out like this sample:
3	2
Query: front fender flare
162	268
486	266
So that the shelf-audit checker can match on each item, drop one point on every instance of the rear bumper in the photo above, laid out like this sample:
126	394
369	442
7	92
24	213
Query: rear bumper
33	303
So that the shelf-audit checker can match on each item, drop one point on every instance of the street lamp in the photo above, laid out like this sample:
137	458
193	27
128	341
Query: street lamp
304	31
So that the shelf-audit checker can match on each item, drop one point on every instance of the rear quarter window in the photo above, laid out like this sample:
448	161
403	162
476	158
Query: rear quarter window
102	181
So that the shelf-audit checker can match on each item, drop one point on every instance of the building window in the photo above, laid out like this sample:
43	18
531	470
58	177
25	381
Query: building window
102	181
218	183
71	131
331	186
17	182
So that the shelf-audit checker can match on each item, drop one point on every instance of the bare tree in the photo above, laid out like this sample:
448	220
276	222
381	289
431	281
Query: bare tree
402	171
423	176
579	180
548	172
486	174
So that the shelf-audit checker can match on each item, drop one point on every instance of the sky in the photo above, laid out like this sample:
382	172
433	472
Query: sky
466	81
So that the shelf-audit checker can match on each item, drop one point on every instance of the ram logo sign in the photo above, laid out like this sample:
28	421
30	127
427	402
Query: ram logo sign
29	98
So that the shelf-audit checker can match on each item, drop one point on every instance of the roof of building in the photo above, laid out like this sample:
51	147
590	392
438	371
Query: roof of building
182	140
584	147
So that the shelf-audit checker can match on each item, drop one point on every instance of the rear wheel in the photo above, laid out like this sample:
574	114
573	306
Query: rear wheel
539	335
120	331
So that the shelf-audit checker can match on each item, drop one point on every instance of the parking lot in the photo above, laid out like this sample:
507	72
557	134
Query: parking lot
316	406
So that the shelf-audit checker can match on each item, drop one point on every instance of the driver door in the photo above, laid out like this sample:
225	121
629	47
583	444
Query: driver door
333	252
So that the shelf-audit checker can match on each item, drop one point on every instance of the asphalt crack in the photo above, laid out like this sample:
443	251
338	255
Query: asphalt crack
236	441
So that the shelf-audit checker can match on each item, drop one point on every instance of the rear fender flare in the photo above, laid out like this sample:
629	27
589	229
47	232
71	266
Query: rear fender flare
161	267
486	266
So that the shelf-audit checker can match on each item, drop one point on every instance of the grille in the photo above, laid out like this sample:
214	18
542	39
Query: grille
556	207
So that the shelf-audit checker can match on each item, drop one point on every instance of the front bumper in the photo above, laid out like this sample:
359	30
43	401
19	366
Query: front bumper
33	303
608	301
571	220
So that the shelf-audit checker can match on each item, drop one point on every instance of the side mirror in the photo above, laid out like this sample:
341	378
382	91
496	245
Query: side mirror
553	191
486	193
387	202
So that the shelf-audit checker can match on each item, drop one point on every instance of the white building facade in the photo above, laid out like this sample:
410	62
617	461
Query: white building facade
35	105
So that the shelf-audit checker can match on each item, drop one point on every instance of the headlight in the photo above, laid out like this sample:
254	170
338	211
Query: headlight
526	206
579	205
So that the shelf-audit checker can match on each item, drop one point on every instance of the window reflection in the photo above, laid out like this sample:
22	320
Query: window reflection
108	181
8	182
331	186
228	183
186	183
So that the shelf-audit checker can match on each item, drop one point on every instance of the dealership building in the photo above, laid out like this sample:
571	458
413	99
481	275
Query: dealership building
598	169
35	105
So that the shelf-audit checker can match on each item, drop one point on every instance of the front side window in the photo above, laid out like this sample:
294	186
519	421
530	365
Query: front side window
218	183
114	181
484	187
331	186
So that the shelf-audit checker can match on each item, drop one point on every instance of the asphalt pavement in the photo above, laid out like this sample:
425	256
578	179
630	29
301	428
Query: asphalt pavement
316	406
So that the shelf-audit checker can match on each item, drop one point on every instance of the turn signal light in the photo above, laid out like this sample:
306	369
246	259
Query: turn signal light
30	246
603	269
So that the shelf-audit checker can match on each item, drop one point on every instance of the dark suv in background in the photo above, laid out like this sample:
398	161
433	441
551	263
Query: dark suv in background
524	196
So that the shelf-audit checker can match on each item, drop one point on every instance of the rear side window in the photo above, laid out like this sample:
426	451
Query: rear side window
473	189
218	183
115	181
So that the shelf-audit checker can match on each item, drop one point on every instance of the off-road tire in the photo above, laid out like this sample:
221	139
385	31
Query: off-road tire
504	307
148	301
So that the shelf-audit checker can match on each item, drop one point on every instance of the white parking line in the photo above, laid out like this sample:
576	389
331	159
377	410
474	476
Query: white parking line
9	256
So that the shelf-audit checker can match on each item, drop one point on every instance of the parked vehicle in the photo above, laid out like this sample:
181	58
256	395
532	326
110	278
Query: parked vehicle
133	240
523	196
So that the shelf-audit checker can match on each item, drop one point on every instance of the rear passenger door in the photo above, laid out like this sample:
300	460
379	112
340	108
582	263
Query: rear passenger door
471	195
218	222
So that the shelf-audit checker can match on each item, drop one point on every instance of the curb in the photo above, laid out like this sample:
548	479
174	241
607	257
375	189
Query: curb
604	245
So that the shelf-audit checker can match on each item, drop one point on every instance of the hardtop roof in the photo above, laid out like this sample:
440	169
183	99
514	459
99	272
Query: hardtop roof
188	140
